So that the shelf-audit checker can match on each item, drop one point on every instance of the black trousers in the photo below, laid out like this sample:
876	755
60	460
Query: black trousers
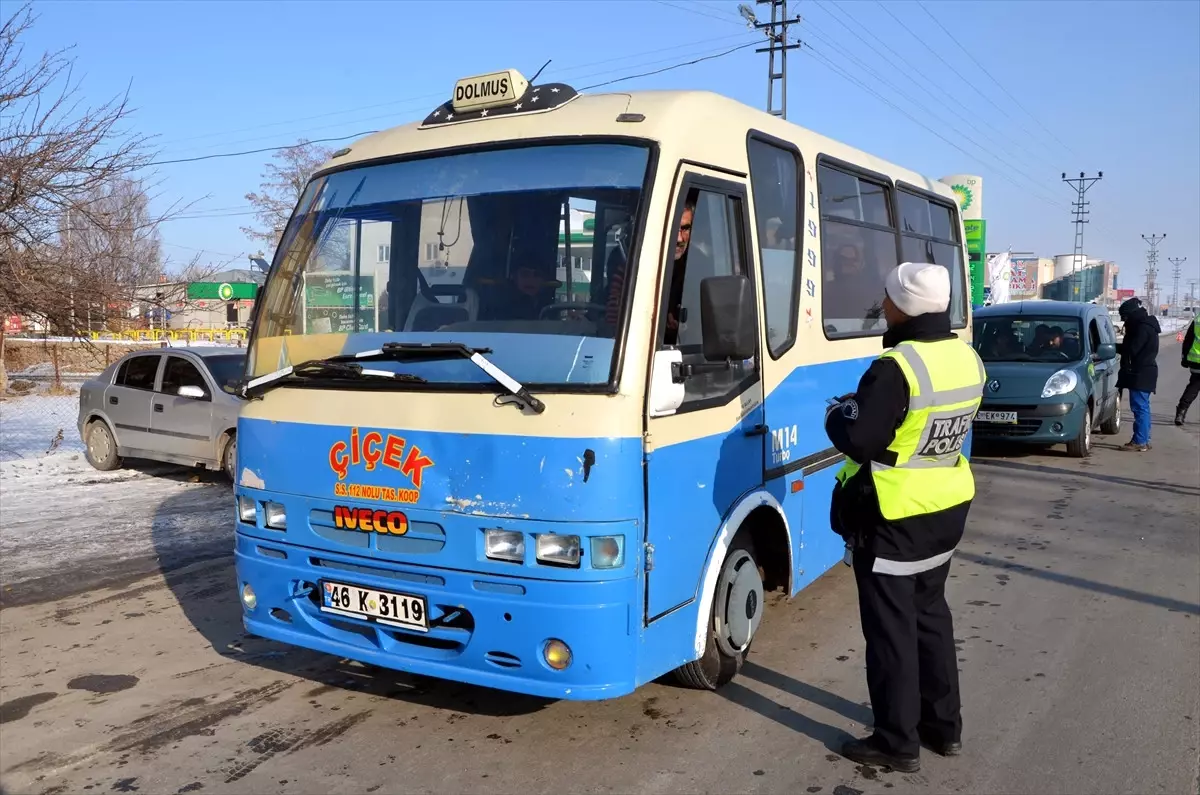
1190	392
912	671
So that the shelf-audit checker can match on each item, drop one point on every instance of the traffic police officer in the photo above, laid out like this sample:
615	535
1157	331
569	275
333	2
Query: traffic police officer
901	502
1190	360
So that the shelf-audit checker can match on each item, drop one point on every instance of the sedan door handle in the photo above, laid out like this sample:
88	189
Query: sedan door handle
113	400
158	407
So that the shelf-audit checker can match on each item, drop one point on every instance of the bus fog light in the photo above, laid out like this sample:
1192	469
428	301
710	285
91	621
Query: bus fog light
557	654
276	516
608	552
558	550
247	510
504	545
248	597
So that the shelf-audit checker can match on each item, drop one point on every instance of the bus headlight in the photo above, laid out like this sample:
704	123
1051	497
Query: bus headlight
247	510
608	552
558	550
504	545
276	516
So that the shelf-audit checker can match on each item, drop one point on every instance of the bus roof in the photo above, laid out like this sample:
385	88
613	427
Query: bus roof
697	125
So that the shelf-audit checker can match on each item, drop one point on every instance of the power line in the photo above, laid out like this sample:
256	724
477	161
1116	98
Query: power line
437	95
902	66
1016	102
257	151
669	68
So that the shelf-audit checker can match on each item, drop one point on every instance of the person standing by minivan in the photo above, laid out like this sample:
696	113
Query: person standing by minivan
1139	368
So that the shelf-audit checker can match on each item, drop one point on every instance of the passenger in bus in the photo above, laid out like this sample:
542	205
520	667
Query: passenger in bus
901	502
854	283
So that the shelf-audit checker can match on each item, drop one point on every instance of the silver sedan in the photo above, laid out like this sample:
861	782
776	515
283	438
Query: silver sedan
176	405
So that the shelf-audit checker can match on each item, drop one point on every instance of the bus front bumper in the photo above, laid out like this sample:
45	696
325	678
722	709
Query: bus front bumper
485	630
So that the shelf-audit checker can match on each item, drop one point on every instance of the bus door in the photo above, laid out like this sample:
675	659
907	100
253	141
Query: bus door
708	452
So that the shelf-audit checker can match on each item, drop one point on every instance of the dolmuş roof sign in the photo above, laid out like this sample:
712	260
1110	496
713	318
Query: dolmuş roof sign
493	90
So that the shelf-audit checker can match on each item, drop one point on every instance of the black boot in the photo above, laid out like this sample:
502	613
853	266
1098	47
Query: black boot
1179	413
870	752
939	746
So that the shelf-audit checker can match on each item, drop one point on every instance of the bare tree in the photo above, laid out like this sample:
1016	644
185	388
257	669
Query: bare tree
283	183
75	226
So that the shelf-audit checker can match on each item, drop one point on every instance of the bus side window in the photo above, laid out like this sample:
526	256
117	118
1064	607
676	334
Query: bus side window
858	249
710	241
775	180
929	233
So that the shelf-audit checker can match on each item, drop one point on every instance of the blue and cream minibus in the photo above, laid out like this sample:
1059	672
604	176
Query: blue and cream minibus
537	384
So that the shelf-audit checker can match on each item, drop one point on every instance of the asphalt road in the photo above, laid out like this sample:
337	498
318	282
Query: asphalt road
1077	606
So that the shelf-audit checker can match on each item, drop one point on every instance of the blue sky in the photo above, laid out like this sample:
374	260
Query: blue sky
1109	86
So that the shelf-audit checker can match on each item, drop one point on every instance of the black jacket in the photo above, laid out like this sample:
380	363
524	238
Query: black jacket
863	431
1139	352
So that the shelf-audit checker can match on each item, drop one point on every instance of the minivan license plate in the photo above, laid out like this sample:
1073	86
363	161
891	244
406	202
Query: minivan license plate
997	416
383	607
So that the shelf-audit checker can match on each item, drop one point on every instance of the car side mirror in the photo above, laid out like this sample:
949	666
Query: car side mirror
728	318
1106	351
190	391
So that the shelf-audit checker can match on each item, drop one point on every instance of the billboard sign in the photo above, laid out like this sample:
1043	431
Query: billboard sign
968	189
1125	294
1024	276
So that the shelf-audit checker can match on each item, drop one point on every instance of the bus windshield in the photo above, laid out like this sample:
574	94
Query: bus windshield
518	250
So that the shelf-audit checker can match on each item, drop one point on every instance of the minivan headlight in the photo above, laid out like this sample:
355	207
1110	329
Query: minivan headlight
1060	383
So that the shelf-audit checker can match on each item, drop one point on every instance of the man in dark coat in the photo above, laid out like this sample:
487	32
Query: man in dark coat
1139	368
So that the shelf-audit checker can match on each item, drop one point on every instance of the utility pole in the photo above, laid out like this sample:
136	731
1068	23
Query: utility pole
1152	267
776	32
1192	295
1080	207
1177	266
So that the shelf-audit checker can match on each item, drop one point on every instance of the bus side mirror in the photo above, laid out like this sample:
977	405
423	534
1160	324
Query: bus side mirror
728	318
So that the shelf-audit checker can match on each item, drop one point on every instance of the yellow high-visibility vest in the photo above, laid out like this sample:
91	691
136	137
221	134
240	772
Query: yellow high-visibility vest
1193	354
945	387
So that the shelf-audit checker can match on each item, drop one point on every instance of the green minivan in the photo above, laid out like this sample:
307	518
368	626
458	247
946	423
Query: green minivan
1051	374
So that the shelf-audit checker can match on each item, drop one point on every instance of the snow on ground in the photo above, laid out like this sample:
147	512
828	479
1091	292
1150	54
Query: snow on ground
107	525
30	426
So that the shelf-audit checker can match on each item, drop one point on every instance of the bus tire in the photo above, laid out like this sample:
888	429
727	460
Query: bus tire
736	614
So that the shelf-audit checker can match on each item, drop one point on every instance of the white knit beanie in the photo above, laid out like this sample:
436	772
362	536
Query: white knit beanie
918	288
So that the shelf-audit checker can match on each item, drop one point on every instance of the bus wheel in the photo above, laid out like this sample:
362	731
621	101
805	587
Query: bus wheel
737	610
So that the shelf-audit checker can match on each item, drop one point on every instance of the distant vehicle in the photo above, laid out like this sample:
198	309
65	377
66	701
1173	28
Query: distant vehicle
177	405
1052	375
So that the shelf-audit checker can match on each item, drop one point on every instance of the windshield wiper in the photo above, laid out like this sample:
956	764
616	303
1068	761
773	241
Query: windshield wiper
347	366
405	351
336	367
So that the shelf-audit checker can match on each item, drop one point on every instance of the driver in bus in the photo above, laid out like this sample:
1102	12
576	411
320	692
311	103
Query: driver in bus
526	300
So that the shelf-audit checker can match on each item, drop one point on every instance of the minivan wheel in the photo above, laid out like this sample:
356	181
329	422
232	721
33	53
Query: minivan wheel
100	448
1112	425
1081	445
